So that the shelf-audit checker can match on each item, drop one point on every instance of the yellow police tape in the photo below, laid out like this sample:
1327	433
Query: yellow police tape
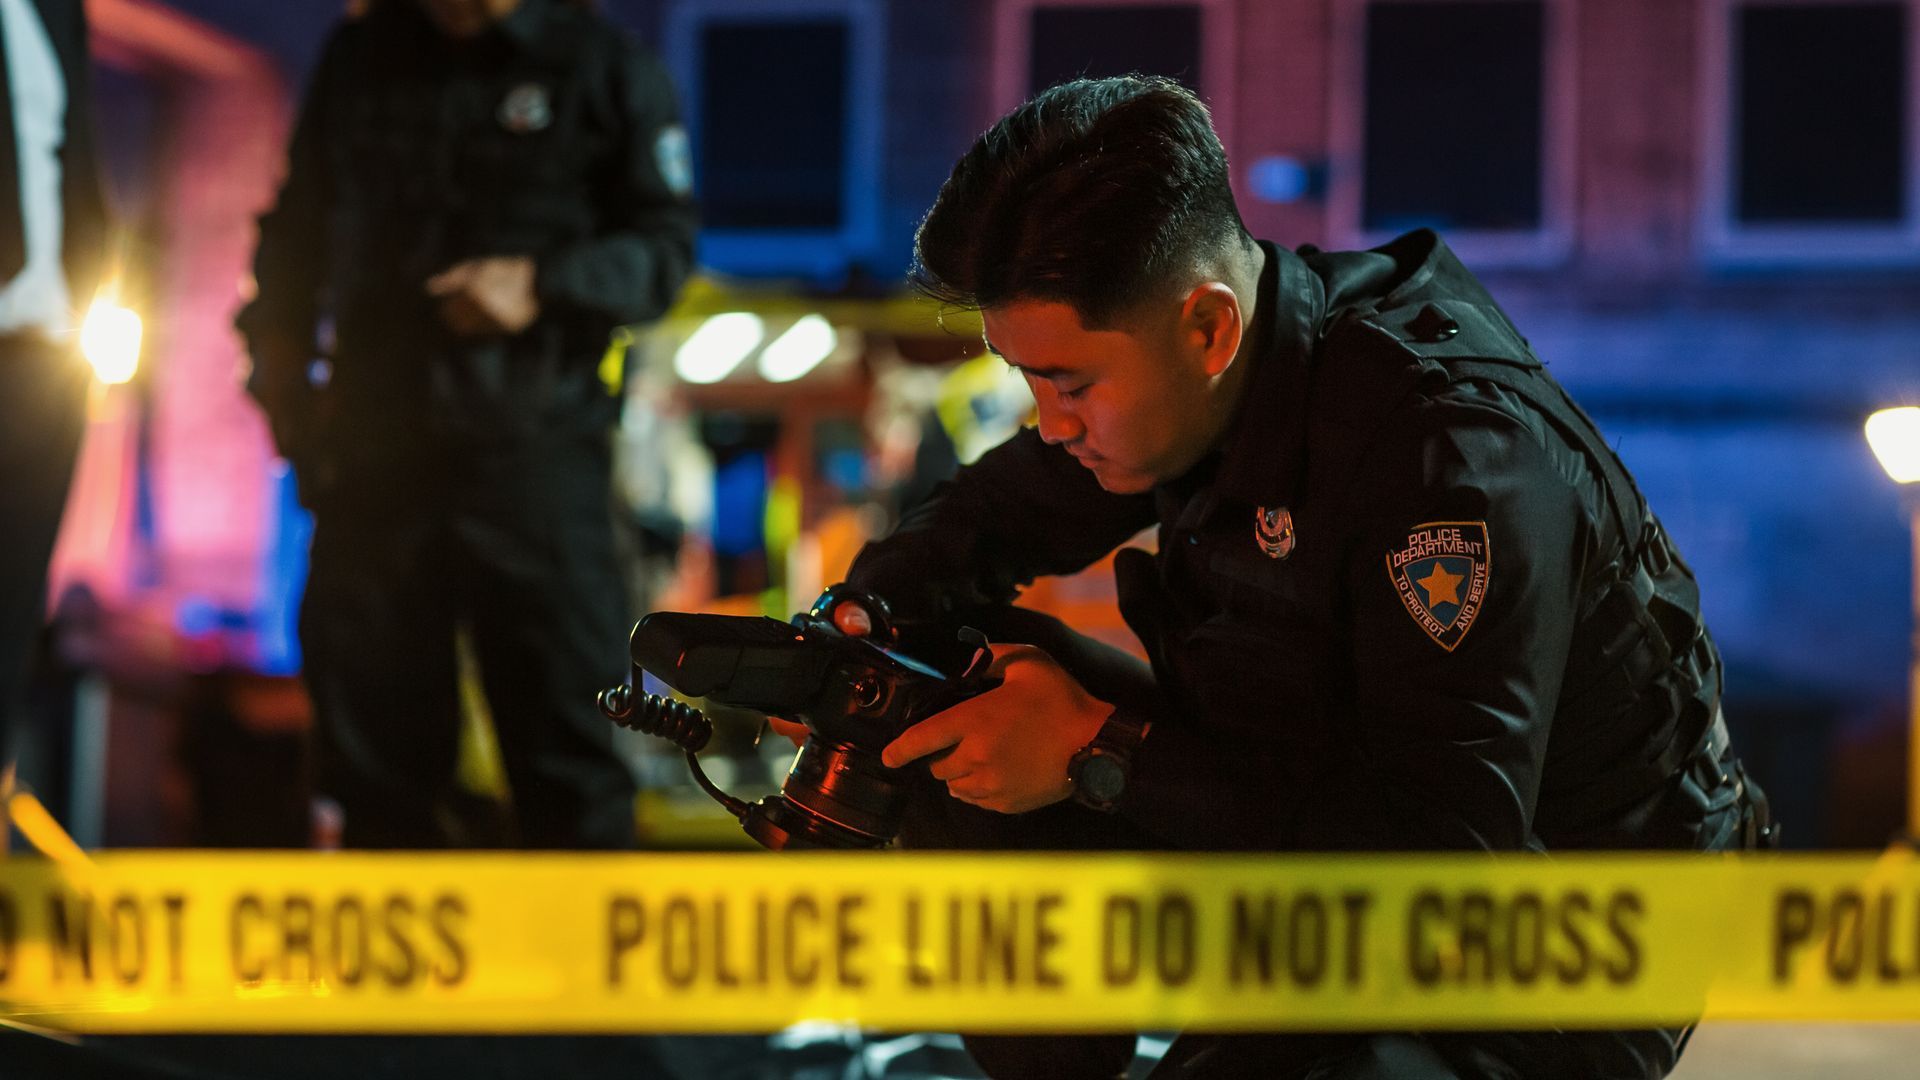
540	943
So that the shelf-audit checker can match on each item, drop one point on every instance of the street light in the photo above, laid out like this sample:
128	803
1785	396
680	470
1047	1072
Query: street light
1894	435
110	341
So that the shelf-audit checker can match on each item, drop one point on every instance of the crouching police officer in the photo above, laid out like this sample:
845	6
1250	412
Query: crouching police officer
478	192
1404	597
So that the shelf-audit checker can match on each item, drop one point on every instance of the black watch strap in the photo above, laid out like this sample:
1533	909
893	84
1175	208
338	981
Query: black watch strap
1100	770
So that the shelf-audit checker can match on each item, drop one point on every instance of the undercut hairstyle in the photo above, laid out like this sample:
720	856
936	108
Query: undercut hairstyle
1096	193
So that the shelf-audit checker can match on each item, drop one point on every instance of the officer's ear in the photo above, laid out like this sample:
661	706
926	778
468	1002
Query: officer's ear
1210	325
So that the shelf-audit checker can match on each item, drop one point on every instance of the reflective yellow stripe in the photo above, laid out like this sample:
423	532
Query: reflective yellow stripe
613	362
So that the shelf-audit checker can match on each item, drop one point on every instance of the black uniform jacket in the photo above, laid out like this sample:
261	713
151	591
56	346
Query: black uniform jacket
1463	643
549	136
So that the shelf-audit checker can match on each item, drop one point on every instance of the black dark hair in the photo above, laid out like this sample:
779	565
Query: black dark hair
1094	193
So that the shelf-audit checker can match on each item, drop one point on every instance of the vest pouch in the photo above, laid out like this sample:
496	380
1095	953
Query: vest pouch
1252	685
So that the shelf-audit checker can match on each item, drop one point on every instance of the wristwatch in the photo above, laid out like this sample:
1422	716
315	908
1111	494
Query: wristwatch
1099	770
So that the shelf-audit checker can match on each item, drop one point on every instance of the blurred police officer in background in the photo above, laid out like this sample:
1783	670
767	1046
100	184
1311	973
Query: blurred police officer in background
52	240
477	193
1405	596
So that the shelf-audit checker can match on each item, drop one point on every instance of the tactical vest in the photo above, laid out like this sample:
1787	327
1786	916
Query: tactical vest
1639	632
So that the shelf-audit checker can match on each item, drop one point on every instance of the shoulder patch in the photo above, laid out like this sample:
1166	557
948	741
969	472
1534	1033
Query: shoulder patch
526	109
673	156
1441	576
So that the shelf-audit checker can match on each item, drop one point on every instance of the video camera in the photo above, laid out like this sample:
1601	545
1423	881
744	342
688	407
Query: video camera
855	693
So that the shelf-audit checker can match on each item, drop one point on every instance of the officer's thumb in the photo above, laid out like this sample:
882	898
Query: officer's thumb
852	620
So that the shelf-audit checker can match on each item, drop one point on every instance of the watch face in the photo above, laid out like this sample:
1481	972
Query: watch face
1102	778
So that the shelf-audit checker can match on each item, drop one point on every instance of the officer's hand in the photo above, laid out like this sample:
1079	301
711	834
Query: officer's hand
794	731
1010	745
852	620
486	297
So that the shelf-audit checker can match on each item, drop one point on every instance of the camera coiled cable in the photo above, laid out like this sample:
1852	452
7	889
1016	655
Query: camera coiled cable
675	721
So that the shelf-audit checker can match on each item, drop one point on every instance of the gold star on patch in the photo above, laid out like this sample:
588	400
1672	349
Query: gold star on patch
1442	587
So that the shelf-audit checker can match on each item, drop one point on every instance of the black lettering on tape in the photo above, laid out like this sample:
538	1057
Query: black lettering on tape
398	915
723	975
1120	941
847	939
626	928
1526	937
1913	942
1886	923
919	975
1883	920
296	934
762	939
998	941
248	969
176	908
1046	941
1307	940
800	974
956	948
9	934
1623	911
1573	970
1355	905
1860	935
1478	938
1846	936
1250	941
1423	958
1174	939
348	940
1474	925
344	940
986	939
126	940
70	929
448	912
679	942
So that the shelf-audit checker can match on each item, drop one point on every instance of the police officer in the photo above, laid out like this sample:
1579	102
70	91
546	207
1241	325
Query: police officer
478	192
53	226
1404	597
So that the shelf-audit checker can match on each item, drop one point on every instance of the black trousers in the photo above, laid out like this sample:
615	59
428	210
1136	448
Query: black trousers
513	542
43	399
936	822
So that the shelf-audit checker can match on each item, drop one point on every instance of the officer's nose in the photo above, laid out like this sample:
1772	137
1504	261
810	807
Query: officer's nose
1057	425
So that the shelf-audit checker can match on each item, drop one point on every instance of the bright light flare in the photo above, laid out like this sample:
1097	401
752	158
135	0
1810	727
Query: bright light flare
110	340
712	352
1894	435
808	341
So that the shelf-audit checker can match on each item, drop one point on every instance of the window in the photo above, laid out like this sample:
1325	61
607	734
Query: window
1100	40
1811	123
782	99
783	175
1455	115
1038	43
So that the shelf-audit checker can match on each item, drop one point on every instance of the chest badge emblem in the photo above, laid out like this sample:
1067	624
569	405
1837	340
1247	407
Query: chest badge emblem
1273	529
1441	576
527	108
